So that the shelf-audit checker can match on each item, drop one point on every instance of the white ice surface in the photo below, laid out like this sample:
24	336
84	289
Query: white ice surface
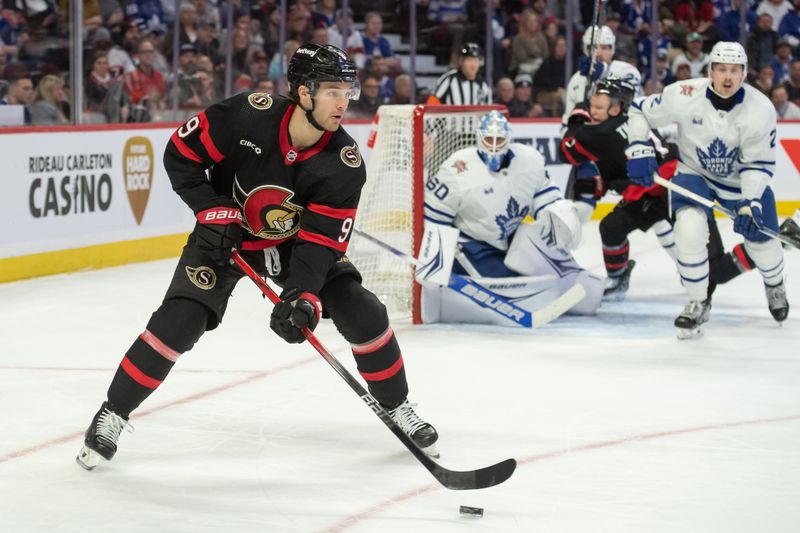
618	426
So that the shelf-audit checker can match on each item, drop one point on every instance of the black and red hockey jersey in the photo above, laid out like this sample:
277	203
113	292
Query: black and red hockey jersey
284	193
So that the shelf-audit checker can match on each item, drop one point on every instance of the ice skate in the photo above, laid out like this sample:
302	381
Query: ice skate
617	286
422	433
693	316
100	439
777	302
790	229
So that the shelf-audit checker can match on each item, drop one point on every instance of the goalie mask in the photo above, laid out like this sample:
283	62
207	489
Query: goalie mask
493	135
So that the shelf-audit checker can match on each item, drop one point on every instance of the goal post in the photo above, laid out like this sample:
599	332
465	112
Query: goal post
409	143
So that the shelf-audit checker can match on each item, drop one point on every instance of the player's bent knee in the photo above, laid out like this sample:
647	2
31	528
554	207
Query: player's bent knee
613	230
357	313
179	323
691	229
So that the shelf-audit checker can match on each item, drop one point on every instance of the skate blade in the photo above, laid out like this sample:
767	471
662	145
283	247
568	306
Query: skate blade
431	451
687	334
88	458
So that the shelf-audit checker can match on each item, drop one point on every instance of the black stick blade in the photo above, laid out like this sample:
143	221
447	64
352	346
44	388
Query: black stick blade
475	479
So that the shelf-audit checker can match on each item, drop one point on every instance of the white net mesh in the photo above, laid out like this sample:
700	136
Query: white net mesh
392	195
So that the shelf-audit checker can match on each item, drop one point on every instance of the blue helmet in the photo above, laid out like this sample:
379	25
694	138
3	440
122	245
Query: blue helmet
494	135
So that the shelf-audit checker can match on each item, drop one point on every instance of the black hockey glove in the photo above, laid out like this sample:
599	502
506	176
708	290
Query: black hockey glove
218	232
295	311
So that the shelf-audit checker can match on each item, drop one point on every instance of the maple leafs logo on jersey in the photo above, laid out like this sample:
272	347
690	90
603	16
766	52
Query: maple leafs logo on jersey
510	221
718	160
460	166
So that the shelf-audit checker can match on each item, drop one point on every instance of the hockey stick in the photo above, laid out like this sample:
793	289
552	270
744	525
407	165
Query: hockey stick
598	7
674	187
490	300
452	479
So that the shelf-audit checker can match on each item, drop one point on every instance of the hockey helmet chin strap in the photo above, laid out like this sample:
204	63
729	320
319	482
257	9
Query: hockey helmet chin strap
310	115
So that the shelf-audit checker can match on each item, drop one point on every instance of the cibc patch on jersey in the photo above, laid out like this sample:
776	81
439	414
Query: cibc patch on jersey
261	101
267	211
351	156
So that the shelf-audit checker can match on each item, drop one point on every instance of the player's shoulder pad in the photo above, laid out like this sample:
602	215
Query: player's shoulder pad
468	155
757	102
532	158
344	149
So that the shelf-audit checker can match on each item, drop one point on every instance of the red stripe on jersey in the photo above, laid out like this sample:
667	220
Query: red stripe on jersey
297	154
156	344
739	251
322	239
384	374
565	150
579	147
260	245
373	345
184	150
137	375
332	211
205	138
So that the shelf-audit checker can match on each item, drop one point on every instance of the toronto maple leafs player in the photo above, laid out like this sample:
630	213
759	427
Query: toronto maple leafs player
604	66
726	140
485	192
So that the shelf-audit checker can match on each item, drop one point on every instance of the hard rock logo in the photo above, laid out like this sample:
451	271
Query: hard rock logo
137	170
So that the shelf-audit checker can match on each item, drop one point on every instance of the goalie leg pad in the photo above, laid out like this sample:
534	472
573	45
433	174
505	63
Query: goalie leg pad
172	330
362	320
691	239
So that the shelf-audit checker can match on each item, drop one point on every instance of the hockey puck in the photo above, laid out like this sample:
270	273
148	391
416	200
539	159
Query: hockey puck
474	512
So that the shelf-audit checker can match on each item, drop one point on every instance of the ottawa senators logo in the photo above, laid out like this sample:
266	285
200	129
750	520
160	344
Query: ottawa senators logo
261	101
267	211
203	277
351	156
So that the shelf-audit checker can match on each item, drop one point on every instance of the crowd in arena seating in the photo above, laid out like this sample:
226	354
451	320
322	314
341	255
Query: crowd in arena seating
128	50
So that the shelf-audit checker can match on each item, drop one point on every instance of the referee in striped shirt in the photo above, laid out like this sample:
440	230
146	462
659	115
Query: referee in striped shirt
463	86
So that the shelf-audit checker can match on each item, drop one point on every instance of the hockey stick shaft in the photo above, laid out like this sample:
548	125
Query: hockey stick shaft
452	479
702	200
598	7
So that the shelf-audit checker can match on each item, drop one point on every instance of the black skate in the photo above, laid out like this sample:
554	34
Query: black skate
617	286
693	316
422	433
100	439
777	302
790	229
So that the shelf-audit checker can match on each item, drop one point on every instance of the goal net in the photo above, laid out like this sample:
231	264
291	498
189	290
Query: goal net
408	146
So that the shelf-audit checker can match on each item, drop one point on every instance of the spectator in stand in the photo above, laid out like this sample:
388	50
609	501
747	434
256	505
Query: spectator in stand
522	106
764	81
793	83
450	20
20	88
549	80
207	44
145	86
693	56
663	73
375	44
550	30
202	92
265	85
355	43
271	31
789	27
257	68
319	36
208	13
298	24
403	89
635	13
239	56
369	102
252	27
46	109
289	49
776	9
785	108
119	56
729	23
528	47
103	91
504	92
187	25
652	88
782	61
624	46
463	85
148	14
645	44
12	31
325	14
683	72
760	44
695	15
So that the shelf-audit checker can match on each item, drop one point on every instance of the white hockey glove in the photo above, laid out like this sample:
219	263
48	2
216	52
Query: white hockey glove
559	225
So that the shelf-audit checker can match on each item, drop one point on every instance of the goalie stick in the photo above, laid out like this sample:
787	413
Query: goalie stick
452	479
478	294
702	200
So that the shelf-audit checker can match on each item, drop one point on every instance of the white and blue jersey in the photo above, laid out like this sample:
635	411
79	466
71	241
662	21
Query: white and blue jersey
576	87
489	206
734	151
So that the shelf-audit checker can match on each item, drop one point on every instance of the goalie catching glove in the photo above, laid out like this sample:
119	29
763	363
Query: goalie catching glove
295	311
218	232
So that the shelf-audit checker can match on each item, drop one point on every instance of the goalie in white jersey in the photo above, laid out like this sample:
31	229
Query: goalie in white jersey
485	192
604	66
726	139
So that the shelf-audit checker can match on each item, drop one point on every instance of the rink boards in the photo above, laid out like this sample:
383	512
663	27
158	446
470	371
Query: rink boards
97	196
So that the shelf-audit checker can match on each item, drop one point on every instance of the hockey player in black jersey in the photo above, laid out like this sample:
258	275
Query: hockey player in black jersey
283	186
594	143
